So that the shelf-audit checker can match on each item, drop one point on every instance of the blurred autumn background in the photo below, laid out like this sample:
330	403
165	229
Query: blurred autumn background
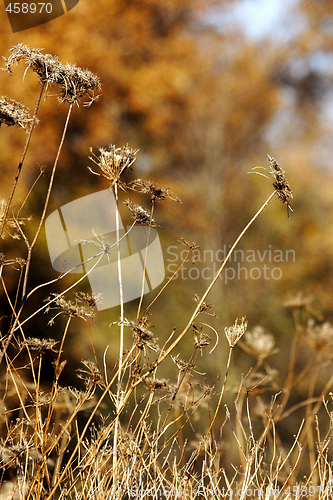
205	90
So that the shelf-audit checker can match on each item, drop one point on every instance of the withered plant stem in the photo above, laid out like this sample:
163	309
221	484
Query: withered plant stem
32	244
219	401
121	336
145	262
20	165
86	427
47	199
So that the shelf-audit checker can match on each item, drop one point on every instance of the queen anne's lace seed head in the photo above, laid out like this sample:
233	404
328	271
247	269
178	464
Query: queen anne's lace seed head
140	215
114	162
151	188
80	308
74	82
141	333
236	331
259	342
14	113
320	336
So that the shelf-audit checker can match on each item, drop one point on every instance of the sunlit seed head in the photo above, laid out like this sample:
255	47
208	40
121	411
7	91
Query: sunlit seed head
14	113
114	162
151	188
236	331
260	343
74	82
140	215
281	183
320	336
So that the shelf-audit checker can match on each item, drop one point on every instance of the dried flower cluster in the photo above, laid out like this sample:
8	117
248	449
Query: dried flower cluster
201	339
71	308
192	247
303	302
281	184
114	163
140	215
181	364
155	384
320	336
205	306
37	344
15	263
151	188
91	375
14	113
236	331
260	343
74	82
141	333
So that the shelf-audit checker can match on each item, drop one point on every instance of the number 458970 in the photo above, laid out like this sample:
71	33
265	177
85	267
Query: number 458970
29	8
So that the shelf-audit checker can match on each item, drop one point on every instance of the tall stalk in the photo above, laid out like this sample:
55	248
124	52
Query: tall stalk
121	336
20	165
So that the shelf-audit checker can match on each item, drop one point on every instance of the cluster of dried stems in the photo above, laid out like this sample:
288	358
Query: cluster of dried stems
45	450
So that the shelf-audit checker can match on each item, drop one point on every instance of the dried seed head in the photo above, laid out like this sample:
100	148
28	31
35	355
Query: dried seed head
201	339
74	82
155	384
151	188
181	364
236	331
36	344
16	263
114	163
72	309
193	248
91	375
140	215
303	302
14	113
141	333
281	184
260	343
205	306
90	300
320	336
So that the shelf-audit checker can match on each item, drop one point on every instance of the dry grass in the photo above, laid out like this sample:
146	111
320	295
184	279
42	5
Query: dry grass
60	442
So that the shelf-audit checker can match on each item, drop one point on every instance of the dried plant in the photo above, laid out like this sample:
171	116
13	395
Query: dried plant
70	308
9	223
280	183
260	343
151	188
236	331
74	82
14	113
127	431
113	163
140	215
